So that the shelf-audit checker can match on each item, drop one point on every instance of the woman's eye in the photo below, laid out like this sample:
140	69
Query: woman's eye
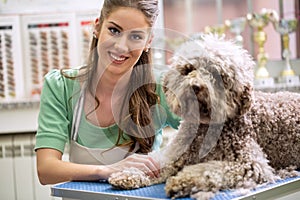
136	37
114	31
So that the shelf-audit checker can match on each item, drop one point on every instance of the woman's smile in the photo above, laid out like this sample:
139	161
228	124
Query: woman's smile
117	59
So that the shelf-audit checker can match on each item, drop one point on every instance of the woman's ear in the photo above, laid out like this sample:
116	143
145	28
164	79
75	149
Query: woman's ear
148	43
96	27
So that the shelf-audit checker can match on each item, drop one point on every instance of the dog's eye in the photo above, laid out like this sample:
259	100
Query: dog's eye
204	111
196	89
186	69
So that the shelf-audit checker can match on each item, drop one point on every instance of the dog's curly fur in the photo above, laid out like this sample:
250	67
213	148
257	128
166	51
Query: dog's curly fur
231	136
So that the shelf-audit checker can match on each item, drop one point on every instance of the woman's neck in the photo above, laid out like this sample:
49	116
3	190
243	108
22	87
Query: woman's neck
110	90
108	84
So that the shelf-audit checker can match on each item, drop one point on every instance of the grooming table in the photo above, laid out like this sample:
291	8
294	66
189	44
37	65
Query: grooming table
288	189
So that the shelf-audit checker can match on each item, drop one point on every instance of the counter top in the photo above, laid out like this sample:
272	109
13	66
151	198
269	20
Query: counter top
103	190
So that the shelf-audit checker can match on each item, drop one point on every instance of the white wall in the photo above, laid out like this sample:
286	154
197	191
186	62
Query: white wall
42	6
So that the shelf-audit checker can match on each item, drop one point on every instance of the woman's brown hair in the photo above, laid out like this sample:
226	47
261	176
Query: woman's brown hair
138	100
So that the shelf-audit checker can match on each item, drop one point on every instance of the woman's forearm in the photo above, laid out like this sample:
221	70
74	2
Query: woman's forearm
51	169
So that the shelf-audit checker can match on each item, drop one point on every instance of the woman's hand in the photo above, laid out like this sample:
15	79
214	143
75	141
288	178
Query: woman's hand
144	163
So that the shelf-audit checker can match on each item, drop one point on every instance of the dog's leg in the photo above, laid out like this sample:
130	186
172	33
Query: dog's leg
204	179
288	172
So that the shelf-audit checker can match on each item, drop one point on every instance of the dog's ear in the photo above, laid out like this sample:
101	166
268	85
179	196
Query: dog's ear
245	100
238	93
241	100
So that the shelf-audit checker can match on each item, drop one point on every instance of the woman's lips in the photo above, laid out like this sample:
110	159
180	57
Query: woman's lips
117	59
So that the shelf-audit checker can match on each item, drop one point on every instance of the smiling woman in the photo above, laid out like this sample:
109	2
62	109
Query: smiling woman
122	42
111	110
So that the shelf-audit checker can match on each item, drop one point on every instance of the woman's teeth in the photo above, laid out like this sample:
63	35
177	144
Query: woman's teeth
122	58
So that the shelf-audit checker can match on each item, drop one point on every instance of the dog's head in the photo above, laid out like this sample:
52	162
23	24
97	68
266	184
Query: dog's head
210	80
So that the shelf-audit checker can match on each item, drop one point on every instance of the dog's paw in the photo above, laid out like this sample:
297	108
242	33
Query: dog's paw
131	178
288	172
194	178
176	188
204	178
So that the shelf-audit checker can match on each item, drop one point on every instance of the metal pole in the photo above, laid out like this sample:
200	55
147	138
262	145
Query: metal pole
219	8
251	42
189	15
281	15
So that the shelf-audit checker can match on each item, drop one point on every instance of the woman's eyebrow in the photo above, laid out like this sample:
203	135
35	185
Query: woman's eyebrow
139	31
119	27
134	31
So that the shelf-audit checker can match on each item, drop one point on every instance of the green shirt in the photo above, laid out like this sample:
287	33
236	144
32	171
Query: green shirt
59	95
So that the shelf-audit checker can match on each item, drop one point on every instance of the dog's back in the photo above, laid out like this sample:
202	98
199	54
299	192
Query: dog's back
276	121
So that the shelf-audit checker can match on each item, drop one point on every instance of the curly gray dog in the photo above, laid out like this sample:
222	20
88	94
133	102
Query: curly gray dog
231	136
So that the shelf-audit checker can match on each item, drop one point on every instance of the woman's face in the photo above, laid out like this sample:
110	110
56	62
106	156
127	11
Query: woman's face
123	37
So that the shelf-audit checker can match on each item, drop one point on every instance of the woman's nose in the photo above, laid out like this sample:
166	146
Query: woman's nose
121	44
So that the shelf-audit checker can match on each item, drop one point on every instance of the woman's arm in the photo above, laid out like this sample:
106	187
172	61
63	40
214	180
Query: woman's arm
52	169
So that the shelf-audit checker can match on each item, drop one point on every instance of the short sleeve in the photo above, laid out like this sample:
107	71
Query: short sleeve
172	119
165	116
55	115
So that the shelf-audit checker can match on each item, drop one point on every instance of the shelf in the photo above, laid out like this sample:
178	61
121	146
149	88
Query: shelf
19	116
276	87
18	104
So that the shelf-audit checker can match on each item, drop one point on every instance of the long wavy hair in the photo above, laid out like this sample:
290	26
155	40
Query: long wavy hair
138	100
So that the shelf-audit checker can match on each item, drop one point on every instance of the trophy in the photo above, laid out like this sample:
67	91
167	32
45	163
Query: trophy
216	29
284	27
259	21
237	26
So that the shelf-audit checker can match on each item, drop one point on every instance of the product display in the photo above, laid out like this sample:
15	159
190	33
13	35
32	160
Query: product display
10	66
1	71
49	46
86	38
43	42
7	65
84	28
53	42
